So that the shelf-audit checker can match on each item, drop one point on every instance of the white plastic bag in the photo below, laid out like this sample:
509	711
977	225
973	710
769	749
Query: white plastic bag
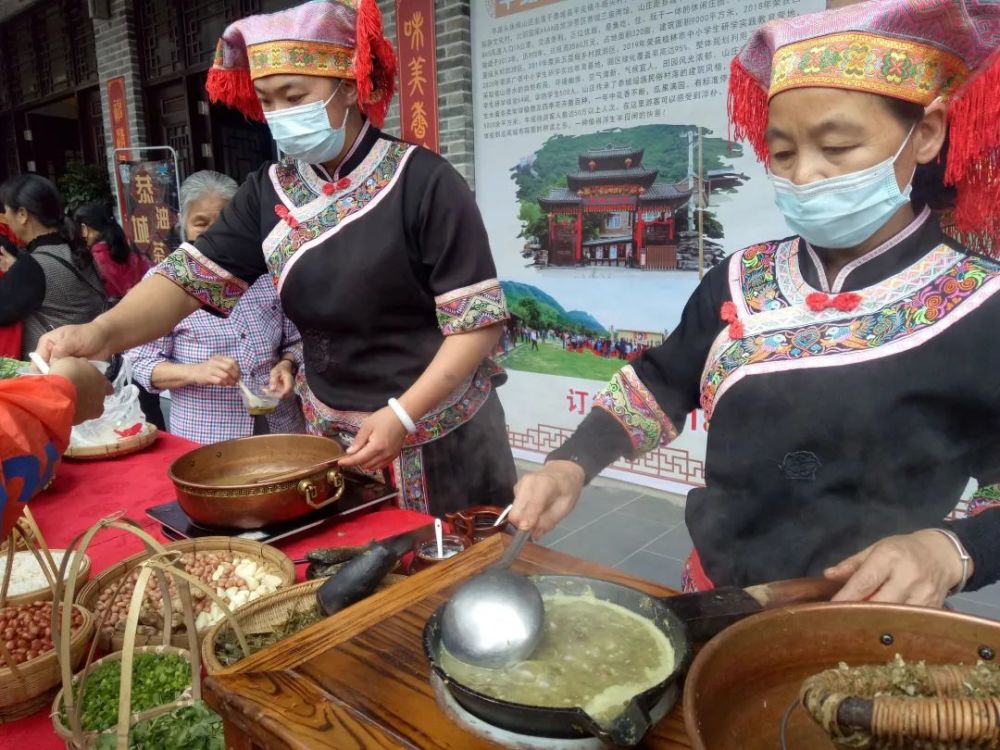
122	416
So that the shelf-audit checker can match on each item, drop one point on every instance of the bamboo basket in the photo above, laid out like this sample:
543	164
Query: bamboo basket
857	707
267	613
89	738
44	595
28	536
27	687
124	447
158	563
89	594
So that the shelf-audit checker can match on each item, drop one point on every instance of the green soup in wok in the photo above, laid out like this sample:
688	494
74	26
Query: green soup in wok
594	655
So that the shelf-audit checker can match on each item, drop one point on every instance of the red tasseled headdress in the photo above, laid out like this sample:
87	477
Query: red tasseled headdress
914	50
332	38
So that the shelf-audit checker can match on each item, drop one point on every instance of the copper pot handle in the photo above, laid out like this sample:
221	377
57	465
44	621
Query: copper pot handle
307	488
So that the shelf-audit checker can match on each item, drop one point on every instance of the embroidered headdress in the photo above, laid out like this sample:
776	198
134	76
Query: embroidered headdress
914	50
331	38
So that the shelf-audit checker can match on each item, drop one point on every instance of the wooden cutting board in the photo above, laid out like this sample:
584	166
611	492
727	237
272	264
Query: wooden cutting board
359	679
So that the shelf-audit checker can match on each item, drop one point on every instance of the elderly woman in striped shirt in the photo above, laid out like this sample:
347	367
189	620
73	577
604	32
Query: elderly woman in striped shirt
204	356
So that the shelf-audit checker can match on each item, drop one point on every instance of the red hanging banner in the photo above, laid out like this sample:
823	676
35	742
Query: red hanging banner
417	47
119	112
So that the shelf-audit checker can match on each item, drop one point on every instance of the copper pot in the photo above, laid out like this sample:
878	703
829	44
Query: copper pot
745	679
218	485
476	522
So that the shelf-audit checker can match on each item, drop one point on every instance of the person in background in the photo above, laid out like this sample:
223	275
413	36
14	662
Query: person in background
205	356
120	267
36	415
378	252
10	335
54	281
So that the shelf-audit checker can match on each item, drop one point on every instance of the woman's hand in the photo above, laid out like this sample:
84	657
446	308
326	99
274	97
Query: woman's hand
282	382
91	386
543	499
6	261
918	568
378	442
216	371
89	341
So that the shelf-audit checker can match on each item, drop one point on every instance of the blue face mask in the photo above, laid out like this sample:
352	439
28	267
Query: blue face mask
304	132
842	212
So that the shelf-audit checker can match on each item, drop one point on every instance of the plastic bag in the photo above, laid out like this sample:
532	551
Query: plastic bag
122	416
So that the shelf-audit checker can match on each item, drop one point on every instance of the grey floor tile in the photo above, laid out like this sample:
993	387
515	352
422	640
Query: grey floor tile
987	595
658	509
610	498
585	512
676	544
975	607
611	539
653	567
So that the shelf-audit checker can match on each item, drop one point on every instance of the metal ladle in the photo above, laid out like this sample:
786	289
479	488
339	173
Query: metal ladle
497	617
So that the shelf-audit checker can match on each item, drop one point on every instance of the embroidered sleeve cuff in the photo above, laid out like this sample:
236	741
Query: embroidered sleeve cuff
202	278
627	400
597	443
471	307
978	534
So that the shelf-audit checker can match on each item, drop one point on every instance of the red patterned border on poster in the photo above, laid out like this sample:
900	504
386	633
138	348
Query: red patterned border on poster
418	111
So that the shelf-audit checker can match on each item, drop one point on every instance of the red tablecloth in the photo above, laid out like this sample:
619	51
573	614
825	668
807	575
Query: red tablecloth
85	491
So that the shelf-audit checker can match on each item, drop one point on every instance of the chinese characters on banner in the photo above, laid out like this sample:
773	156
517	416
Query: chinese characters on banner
150	195
501	8
119	112
417	72
600	65
118	107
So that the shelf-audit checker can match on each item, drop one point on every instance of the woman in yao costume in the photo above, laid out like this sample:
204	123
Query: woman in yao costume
852	371
376	248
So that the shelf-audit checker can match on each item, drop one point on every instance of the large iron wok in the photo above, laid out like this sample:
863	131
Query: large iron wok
683	620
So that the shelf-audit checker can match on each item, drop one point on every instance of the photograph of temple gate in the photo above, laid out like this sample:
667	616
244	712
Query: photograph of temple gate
633	203
635	215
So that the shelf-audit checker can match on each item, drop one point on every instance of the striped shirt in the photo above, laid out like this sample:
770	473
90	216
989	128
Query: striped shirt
256	335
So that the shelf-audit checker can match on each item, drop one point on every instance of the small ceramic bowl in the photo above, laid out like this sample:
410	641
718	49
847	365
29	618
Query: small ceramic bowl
425	552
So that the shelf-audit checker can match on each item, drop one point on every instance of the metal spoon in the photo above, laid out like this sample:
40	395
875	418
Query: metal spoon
497	617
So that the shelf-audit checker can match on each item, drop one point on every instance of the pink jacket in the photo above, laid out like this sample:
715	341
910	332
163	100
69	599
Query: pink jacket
118	278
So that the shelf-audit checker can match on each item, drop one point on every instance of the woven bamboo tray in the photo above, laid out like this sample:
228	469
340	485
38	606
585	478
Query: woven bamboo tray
119	448
268	612
90	738
28	688
281	564
44	594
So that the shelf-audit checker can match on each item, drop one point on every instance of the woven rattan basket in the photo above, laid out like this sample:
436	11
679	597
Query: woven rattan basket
28	540
282	565
267	613
161	565
27	687
90	738
911	706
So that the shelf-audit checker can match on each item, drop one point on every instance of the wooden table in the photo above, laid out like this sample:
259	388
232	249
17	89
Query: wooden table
359	679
